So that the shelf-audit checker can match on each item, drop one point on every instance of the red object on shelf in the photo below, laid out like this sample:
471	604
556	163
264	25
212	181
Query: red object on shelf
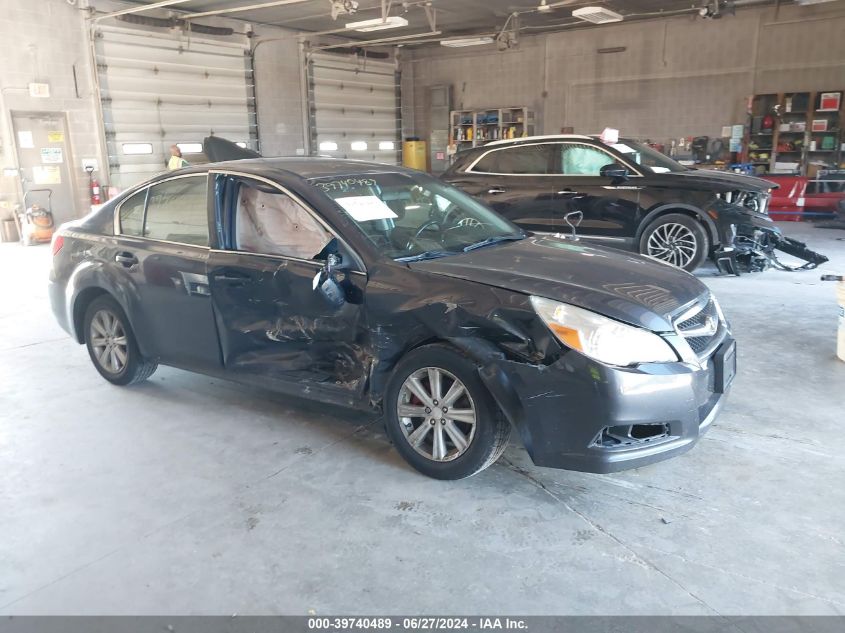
830	101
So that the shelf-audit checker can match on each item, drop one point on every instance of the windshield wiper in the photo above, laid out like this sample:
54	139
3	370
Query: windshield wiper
494	240
424	256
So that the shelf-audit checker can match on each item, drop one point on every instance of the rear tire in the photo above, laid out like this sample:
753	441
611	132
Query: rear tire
111	344
676	239
460	435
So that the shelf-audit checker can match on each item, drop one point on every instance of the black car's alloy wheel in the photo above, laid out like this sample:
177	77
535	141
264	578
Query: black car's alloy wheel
111	344
441	417
675	239
436	414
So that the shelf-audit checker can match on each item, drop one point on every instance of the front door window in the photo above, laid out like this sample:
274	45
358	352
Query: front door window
578	159
273	223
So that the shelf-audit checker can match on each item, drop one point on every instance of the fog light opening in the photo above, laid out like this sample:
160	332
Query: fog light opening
631	434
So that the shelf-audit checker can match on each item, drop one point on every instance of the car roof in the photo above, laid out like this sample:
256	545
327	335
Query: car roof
302	166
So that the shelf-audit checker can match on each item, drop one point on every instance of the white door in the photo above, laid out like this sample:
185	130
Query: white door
161	87
354	107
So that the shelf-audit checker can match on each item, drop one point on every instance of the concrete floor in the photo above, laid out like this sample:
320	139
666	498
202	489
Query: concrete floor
188	495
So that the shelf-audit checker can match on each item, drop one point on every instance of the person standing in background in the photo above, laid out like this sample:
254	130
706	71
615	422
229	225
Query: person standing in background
176	161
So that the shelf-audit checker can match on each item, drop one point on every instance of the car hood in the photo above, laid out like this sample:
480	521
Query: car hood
710	180
629	288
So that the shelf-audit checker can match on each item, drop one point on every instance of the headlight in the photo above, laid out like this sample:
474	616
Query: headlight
600	338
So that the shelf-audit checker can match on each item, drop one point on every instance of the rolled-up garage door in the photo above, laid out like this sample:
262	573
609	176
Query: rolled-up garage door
354	107
161	88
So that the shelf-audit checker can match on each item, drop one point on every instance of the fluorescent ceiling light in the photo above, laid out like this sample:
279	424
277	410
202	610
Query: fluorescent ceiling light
596	15
806	2
466	41
377	24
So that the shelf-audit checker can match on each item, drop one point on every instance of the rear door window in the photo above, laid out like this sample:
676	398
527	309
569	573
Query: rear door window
520	160
177	211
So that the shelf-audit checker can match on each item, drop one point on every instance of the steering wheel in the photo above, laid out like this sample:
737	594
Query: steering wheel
409	244
450	211
425	227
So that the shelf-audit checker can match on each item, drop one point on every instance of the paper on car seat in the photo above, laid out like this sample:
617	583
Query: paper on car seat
366	208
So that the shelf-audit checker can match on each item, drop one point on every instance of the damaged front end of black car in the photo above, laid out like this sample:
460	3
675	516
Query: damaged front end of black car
749	240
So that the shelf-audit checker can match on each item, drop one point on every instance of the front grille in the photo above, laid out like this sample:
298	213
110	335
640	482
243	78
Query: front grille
700	327
699	343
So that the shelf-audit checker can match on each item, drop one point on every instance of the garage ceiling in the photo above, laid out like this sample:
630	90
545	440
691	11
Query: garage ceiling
454	17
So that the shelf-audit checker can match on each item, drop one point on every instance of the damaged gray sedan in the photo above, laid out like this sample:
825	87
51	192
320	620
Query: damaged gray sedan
377	287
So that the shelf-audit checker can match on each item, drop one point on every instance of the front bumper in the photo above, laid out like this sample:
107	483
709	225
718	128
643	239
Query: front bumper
573	414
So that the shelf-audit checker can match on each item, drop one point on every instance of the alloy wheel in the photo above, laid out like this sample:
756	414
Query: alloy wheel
436	414
673	243
108	340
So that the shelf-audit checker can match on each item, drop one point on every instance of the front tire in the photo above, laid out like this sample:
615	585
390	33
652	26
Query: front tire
676	239
440	416
111	344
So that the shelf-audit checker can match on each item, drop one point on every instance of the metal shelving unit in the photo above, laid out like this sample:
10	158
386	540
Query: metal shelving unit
785	135
472	128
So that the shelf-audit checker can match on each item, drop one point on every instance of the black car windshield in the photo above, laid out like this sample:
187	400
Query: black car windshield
411	217
648	157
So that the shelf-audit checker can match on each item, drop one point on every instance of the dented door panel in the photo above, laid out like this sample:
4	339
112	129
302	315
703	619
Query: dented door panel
272	322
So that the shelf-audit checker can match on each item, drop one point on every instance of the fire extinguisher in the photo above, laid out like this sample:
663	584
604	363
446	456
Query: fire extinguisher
93	186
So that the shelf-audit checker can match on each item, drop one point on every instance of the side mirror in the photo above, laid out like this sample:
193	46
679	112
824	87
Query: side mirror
326	285
333	261
615	171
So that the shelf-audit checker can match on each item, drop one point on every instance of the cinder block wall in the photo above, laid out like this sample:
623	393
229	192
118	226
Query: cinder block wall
677	77
44	40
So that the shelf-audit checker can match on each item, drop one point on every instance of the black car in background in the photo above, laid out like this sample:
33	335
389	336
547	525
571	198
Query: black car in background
381	288
631	196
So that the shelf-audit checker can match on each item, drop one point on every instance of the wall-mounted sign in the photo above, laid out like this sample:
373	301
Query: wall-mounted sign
56	137
51	155
39	91
46	175
25	139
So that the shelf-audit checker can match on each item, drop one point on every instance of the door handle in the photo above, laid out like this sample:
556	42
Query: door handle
126	259
233	279
496	190
571	195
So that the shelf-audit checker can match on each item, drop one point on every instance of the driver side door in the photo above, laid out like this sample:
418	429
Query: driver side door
272	320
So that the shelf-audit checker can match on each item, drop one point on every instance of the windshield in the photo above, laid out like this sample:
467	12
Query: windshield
411	217
647	157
